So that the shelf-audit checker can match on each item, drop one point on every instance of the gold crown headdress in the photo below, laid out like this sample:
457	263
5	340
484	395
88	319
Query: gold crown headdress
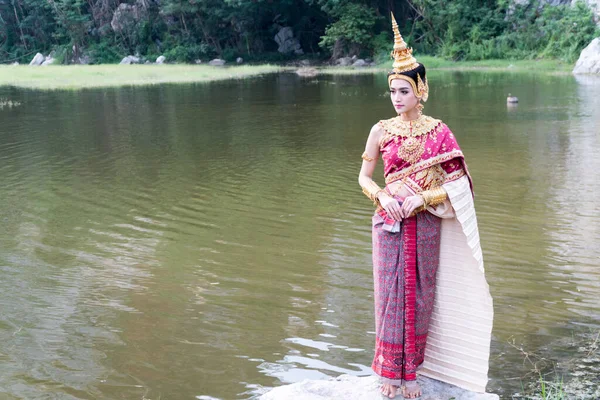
404	62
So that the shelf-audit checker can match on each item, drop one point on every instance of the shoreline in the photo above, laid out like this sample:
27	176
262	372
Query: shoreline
545	67
76	77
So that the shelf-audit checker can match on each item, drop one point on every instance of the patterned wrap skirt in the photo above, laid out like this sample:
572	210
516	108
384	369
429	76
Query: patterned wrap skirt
404	271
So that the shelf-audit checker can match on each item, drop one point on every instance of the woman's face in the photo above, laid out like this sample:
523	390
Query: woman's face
402	96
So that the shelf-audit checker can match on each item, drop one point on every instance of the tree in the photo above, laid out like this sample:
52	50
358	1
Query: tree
352	32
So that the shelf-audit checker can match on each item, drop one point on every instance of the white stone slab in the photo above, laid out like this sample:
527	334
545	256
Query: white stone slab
350	387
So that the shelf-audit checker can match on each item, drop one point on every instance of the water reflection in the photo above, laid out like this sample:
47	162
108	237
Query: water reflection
210	241
574	199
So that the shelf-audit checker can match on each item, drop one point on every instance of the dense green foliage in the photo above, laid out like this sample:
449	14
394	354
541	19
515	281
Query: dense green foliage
501	29
186	30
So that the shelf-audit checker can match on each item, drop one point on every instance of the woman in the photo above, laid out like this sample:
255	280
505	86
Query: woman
433	310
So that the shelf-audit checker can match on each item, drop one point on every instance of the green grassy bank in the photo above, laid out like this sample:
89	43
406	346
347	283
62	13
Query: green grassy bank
109	75
542	65
545	66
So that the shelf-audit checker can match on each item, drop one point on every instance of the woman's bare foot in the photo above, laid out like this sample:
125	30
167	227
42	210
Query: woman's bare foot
411	390
388	390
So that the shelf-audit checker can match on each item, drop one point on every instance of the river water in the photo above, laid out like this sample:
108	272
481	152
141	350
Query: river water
211	241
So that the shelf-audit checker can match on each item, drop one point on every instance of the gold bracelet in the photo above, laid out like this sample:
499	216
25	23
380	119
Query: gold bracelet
368	194
371	190
434	196
440	196
418	210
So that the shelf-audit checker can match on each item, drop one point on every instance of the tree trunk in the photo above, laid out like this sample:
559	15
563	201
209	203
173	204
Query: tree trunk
19	23
338	49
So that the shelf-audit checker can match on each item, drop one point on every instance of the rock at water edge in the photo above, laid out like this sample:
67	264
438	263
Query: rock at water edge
38	59
217	62
344	61
589	60
130	60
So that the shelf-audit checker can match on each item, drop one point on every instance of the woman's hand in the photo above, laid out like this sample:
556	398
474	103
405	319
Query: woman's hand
410	204
391	206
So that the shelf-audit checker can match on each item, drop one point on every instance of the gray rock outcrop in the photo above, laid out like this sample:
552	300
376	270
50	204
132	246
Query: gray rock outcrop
349	387
130	60
239	60
217	62
161	59
593	4
48	61
126	16
287	42
589	60
545	2
360	63
344	61
38	59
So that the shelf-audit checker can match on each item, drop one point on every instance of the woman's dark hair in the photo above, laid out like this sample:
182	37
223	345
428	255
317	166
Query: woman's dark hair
420	70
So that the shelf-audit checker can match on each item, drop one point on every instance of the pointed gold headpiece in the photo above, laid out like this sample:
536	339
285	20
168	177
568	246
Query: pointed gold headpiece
402	54
403	62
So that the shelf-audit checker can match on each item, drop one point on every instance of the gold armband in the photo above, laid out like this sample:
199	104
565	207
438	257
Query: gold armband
372	190
366	157
433	197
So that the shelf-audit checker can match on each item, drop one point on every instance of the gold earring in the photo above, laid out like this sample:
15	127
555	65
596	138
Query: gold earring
420	107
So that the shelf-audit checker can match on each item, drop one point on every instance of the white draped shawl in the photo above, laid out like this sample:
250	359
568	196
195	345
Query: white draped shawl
458	344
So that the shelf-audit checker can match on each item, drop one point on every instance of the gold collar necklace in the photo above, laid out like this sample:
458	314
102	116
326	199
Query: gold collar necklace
417	127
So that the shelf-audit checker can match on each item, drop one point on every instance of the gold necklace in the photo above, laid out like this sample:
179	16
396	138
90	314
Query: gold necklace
414	135
420	126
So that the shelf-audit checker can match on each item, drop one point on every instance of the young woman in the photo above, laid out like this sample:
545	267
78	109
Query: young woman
433	310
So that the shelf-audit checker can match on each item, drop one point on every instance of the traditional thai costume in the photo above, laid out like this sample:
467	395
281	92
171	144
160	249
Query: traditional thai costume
433	309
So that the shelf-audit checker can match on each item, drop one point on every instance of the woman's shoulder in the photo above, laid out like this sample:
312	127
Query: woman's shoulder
437	125
377	130
385	124
445	130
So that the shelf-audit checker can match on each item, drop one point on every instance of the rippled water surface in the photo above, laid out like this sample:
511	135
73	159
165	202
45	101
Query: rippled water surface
211	241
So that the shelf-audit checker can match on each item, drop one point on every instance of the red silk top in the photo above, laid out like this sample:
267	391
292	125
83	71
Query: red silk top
423	154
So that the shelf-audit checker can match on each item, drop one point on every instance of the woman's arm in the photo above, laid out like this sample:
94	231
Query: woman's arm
365	177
